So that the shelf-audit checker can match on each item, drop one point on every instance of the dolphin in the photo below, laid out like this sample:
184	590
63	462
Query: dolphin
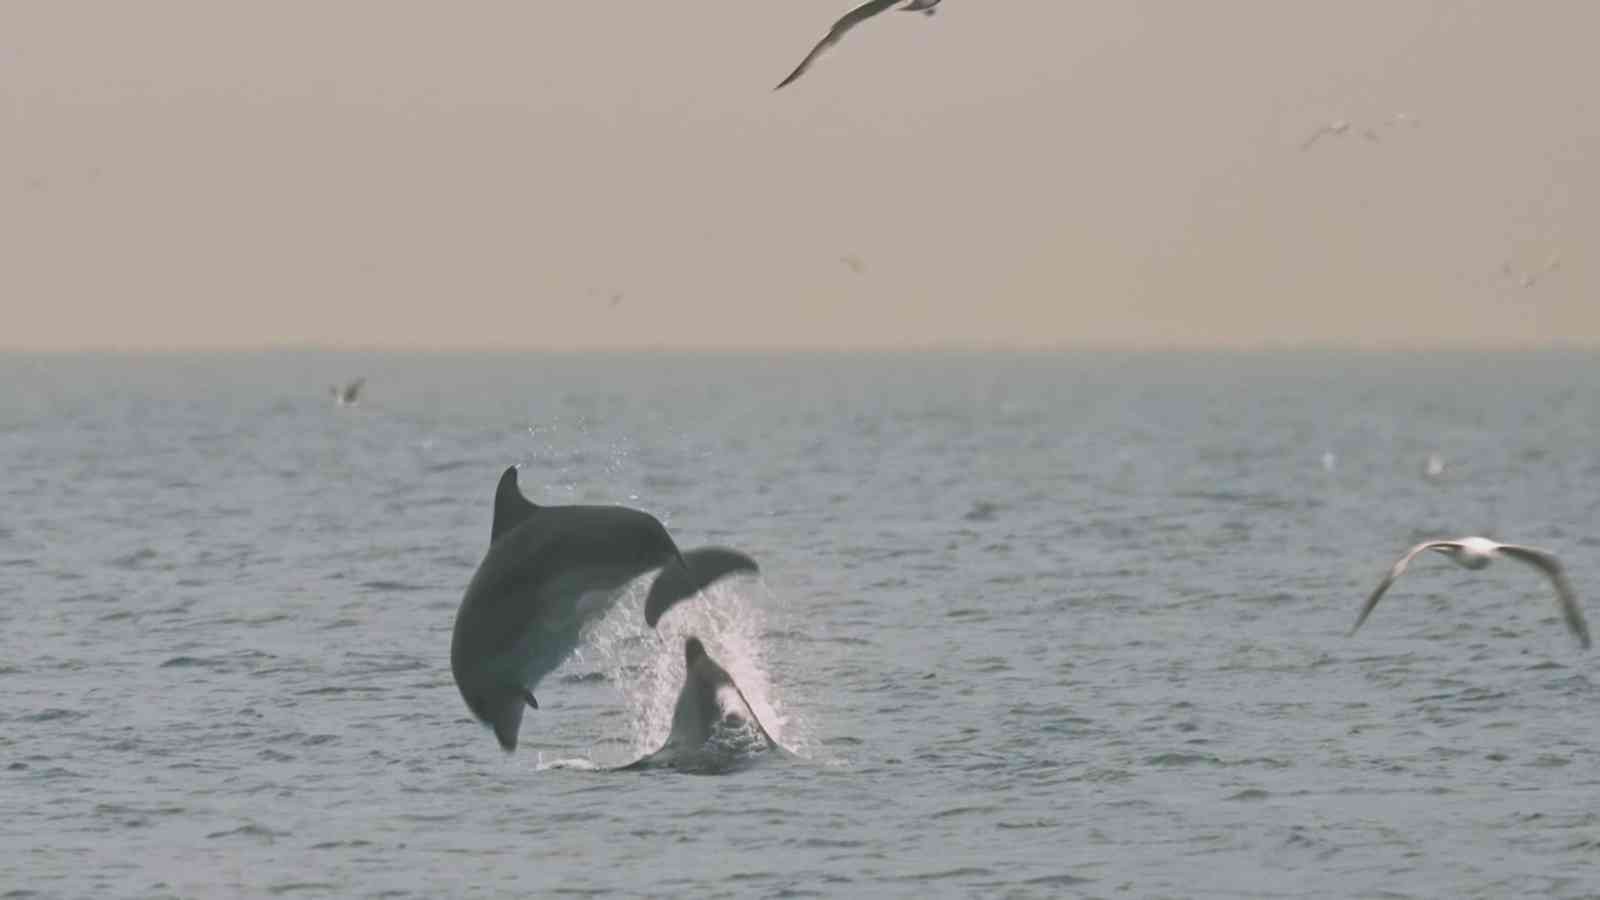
549	571
713	725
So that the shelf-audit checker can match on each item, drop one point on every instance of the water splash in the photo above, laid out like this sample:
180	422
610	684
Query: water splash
647	667
575	763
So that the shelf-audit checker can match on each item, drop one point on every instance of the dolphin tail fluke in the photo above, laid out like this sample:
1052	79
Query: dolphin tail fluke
699	568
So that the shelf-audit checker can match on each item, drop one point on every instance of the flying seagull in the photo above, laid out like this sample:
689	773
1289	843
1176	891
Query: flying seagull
1528	279
350	394
1373	133
1332	129
1476	553
1433	467
850	20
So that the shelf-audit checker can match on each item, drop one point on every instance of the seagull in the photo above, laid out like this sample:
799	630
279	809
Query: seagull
850	20
1342	127
1476	553
349	395
1434	466
1334	129
1528	279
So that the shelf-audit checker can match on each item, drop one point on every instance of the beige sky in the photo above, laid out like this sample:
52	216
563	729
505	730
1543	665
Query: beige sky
1012	172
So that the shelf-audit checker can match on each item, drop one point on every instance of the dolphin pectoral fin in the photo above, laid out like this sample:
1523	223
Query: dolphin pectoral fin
507	721
700	567
528	696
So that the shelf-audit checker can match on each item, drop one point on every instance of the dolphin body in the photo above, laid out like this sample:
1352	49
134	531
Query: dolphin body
550	571
714	728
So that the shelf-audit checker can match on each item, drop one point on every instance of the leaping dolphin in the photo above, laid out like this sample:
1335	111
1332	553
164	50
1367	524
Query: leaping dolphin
713	725
549	571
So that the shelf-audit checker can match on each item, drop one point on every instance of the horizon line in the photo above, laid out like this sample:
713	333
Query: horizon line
1284	346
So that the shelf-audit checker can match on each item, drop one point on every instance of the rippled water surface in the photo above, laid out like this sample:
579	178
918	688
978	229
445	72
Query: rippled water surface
1033	625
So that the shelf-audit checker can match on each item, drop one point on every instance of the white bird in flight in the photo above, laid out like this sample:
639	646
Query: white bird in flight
1433	467
1476	553
1341	128
1333	129
850	20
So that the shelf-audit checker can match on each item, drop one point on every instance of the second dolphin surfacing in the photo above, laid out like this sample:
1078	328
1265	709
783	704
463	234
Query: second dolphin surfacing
549	572
714	727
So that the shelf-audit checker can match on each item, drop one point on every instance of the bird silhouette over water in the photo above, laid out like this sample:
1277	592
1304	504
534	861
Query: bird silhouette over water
850	20
350	394
1477	553
1433	467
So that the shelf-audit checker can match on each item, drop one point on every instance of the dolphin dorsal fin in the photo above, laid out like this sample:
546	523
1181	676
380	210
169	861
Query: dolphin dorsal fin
510	507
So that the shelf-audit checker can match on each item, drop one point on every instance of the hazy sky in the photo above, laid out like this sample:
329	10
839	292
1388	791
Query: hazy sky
1014	172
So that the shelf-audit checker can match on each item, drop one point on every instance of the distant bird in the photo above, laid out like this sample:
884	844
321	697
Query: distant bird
854	263
616	297
1329	461
1333	129
1476	553
1342	127
1526	280
1433	467
349	395
850	20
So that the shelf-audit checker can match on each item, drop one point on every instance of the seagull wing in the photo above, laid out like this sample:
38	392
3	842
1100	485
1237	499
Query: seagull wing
1394	573
1549	565
848	21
